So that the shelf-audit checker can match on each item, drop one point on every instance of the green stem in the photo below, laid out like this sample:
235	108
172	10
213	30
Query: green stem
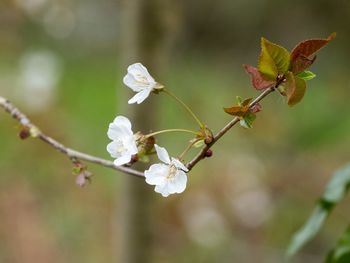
171	130
201	125
189	146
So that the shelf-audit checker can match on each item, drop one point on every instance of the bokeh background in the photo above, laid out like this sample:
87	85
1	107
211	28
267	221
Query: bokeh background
62	62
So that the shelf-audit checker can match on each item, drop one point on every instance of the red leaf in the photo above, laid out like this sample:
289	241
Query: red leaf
301	63
258	81
238	111
296	88
256	108
304	50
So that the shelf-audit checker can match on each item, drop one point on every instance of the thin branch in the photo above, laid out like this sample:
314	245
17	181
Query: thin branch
72	154
228	126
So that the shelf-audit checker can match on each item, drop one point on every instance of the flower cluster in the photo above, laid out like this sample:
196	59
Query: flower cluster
168	177
123	145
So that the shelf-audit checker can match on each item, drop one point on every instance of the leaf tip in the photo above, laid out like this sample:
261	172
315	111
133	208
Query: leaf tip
332	36
263	41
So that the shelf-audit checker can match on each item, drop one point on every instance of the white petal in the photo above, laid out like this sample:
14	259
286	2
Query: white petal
179	164
120	128
111	148
162	189
118	132
177	184
124	159
130	144
132	83
141	96
137	69
121	120
156	174
162	154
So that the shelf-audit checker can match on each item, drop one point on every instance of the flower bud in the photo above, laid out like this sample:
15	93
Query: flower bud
83	178
144	144
207	135
24	133
208	153
134	158
256	108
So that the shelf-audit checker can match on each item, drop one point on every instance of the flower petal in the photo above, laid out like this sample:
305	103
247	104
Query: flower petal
162	154
124	159
156	174
141	96
178	183
120	128
112	147
140	71
133	84
124	121
162	189
130	144
179	164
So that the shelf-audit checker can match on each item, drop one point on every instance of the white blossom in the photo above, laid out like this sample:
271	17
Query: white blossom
169	177
139	80
123	145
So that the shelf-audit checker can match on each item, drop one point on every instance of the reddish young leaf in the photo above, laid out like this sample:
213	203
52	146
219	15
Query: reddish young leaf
258	80
301	63
304	50
256	108
295	88
238	111
242	110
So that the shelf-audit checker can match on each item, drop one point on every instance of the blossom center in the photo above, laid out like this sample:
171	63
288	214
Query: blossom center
142	79
172	171
120	148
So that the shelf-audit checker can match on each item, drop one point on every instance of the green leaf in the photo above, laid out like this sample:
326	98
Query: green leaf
308	231
295	88
341	253
306	75
246	102
273	60
247	121
335	191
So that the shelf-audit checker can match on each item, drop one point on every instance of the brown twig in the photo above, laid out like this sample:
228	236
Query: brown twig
228	126
72	154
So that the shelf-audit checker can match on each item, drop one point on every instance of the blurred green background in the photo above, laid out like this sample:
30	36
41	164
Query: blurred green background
62	62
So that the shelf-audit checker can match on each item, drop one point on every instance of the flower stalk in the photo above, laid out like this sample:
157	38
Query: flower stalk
187	108
171	130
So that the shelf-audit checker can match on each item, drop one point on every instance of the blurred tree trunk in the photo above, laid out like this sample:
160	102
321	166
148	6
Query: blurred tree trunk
146	37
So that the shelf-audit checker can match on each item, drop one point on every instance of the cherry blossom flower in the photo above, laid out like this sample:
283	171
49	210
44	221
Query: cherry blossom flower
139	80
169	177
123	145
